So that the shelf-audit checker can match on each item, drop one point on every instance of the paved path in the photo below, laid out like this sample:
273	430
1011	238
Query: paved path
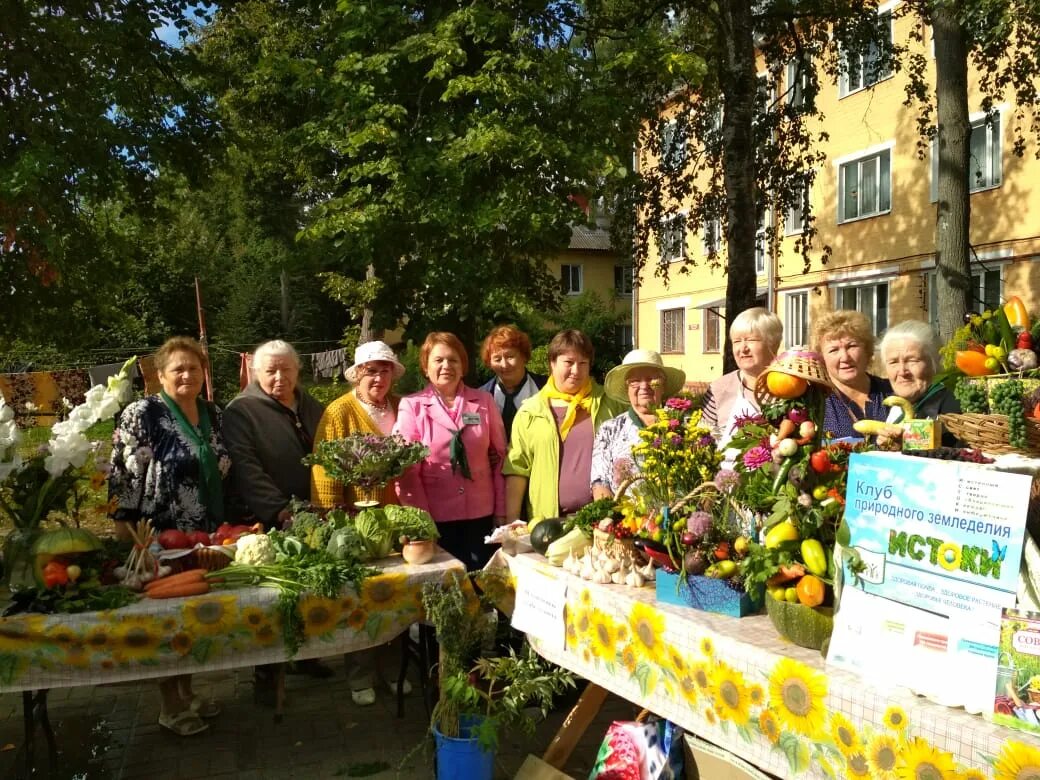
111	733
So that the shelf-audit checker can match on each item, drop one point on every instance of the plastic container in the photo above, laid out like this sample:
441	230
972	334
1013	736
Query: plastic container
462	757
705	594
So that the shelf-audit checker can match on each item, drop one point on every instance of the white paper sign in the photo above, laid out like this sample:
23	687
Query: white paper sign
540	602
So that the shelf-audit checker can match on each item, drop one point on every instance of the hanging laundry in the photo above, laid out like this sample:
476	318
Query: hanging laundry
326	365
150	374
245	370
45	390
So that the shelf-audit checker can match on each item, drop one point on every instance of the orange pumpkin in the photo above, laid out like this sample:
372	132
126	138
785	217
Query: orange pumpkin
785	386
810	590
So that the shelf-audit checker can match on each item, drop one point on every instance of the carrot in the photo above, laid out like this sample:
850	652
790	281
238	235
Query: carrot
787	573
179	590
192	575
785	429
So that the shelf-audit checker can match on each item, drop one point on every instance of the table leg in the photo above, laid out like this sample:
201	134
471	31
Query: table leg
279	692
43	716
577	720
29	727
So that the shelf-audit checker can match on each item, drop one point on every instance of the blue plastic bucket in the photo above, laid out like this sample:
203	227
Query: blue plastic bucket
461	758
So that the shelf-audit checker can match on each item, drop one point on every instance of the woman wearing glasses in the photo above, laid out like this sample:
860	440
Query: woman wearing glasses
643	381
755	335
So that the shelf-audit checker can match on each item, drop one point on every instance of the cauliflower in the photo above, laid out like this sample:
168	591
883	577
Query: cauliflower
254	550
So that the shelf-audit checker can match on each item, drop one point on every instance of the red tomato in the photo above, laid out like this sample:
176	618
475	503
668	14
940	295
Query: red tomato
55	573
173	539
199	537
820	461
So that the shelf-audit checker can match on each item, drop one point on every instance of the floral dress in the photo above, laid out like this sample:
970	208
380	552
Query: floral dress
155	472
612	459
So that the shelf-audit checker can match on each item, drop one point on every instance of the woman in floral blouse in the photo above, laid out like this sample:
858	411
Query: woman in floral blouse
169	463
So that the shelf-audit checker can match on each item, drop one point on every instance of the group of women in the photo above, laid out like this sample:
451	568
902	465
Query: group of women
521	446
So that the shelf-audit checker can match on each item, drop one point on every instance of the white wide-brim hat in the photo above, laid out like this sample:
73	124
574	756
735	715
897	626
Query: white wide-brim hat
615	382
372	352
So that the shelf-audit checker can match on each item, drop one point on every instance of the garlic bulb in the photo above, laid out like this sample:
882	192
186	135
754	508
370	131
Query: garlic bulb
647	572
601	578
617	578
610	566
634	579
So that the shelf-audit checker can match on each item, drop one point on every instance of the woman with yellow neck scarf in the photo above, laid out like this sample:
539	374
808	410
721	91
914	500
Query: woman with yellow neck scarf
550	449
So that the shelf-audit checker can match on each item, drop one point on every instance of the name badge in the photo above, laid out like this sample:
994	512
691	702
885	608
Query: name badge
471	419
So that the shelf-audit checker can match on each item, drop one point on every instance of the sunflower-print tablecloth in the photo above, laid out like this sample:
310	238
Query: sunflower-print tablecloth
220	630
736	683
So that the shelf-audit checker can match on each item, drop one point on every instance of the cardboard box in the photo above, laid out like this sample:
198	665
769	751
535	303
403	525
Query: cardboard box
705	761
704	593
923	434
1016	702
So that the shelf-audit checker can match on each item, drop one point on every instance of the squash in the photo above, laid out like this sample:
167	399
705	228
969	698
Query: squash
805	626
62	542
574	541
545	533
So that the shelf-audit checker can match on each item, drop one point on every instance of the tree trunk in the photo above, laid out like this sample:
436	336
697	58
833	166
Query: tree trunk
953	209
739	88
366	314
283	278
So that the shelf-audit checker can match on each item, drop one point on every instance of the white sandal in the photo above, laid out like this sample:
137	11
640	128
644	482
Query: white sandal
184	723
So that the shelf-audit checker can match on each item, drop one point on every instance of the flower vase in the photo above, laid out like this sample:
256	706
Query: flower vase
18	559
367	496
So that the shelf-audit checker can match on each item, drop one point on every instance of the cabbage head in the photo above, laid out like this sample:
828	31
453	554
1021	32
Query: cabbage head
346	545
375	531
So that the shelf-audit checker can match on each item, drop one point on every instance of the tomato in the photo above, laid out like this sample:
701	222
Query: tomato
820	461
791	595
810	590
819	492
172	539
55	574
722	551
198	537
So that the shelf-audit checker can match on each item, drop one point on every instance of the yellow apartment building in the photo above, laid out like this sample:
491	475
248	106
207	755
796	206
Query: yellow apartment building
874	202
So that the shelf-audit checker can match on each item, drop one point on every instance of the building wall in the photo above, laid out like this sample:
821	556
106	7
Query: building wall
894	247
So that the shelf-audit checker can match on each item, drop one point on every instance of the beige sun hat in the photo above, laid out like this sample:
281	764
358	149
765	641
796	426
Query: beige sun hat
615	382
370	352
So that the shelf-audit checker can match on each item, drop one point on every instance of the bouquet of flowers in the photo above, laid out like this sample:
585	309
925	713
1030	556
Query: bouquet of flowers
365	460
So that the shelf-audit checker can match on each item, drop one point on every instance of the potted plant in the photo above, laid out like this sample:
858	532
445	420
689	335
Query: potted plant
479	697
366	461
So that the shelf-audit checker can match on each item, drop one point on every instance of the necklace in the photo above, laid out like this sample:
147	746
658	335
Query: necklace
382	408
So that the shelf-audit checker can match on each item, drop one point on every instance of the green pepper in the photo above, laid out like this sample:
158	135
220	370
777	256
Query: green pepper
813	557
784	531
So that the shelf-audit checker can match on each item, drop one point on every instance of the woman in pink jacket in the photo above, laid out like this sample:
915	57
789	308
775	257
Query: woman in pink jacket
460	483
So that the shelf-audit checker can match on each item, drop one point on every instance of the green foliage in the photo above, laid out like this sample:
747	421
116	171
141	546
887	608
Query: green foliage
326	393
599	320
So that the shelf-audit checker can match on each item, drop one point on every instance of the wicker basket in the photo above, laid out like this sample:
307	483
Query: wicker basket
989	432
211	558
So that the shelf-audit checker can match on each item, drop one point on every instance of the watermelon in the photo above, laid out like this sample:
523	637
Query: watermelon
805	626
545	533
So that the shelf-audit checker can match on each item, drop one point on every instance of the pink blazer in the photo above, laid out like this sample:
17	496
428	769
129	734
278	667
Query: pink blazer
430	485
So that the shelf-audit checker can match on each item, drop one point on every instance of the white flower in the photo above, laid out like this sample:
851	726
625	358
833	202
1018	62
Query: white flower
30	407
6	412
66	403
9	466
72	449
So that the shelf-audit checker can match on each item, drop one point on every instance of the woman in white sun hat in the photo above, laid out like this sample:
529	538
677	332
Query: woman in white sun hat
643	381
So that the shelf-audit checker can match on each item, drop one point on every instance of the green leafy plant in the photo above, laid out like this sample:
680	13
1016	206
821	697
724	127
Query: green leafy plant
366	460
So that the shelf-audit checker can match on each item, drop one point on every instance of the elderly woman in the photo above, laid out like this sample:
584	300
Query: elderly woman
460	481
506	352
644	382
369	407
550	452
168	464
755	335
911	360
269	428
846	341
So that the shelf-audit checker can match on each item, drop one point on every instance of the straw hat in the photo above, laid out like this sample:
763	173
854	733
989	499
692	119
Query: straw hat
615	382
799	362
370	352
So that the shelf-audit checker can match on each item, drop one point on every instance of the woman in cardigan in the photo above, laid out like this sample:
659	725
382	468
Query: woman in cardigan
506	351
369	407
755	335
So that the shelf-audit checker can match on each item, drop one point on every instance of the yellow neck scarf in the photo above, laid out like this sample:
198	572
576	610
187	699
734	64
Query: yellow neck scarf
582	399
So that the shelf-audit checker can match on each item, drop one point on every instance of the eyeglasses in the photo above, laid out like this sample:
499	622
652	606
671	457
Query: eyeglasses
649	381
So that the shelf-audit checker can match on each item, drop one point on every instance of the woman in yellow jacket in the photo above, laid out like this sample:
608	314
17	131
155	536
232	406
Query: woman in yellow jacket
550	449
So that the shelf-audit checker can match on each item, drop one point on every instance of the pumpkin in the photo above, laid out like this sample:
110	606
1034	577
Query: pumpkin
62	542
545	533
805	626
785	386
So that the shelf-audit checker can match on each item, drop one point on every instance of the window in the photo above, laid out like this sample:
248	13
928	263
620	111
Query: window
673	329
712	235
672	239
865	186
798	213
622	280
673	146
985	163
623	338
797	83
987	291
869	299
762	241
712	331
871	62
570	278
796	319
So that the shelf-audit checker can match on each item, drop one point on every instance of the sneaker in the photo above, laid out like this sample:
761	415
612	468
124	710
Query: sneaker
366	697
407	687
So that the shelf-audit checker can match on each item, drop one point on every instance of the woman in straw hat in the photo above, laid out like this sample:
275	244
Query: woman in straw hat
755	335
643	381
846	341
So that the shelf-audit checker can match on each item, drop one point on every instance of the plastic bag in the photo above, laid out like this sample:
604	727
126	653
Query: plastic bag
640	751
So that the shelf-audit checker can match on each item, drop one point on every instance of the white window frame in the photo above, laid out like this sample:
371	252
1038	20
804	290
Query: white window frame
624	336
711	235
980	270
711	325
796	87
880	157
627	273
845	86
762	241
795	221
872	314
796	318
664	242
994	151
673	154
680	332
568	283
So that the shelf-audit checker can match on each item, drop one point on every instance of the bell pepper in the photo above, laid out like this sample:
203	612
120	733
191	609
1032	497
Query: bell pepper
972	363
55	574
810	591
1016	312
814	557
784	531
